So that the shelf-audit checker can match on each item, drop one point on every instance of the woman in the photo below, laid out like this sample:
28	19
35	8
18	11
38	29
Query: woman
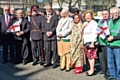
63	31
89	30
76	45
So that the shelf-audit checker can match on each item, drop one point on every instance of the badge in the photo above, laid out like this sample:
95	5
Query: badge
48	21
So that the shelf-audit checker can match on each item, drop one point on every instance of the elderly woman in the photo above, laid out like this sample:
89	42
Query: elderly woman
63	31
89	30
76	45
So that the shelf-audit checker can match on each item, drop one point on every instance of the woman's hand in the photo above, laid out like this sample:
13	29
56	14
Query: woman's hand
60	35
92	45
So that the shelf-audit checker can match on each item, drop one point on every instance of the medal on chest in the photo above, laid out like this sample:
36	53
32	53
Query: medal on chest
48	20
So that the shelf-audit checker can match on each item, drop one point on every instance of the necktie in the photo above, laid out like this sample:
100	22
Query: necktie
6	20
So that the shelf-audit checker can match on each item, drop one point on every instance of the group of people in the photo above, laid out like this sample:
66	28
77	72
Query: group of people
62	37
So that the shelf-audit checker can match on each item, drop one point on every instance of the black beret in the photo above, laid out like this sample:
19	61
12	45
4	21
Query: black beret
35	7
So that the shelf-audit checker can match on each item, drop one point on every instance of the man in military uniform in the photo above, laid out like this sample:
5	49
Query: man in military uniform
36	36
50	21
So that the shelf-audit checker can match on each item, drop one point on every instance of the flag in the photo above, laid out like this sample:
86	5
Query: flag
15	27
103	30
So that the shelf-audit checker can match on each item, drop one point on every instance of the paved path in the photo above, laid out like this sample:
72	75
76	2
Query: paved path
28	72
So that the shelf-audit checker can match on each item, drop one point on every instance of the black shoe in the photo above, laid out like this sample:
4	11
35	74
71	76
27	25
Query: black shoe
47	65
18	61
25	62
34	63
4	62
106	76
67	70
54	66
12	61
101	72
62	69
41	63
94	73
111	78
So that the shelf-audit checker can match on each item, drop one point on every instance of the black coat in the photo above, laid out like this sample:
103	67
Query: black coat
25	27
51	26
3	26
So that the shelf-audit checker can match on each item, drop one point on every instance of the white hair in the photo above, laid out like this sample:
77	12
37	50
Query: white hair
65	10
114	8
19	10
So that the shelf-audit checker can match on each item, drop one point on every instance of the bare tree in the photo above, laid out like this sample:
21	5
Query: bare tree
79	4
49	2
89	4
70	3
60	3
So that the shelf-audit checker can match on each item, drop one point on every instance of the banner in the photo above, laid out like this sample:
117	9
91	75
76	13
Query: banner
15	27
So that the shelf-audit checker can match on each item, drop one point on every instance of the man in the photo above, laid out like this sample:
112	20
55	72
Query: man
29	14
36	36
12	13
103	48
113	49
6	38
71	12
50	21
21	38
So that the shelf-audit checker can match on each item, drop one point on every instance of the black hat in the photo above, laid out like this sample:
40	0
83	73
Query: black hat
35	7
60	9
71	10
76	10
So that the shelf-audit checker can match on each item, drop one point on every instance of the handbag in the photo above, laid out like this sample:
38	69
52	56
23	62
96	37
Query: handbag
96	44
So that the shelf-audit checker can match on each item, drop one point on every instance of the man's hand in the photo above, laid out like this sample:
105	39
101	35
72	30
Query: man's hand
48	34
21	32
110	38
18	34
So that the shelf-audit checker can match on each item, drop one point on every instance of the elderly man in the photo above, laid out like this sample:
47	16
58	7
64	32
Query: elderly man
50	21
103	46
29	14
12	12
6	38
113	49
21	38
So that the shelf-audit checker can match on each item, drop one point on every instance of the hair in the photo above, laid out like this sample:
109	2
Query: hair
78	17
48	6
106	10
88	11
19	10
64	10
114	8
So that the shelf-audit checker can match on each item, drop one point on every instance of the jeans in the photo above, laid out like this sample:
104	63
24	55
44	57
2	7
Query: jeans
114	62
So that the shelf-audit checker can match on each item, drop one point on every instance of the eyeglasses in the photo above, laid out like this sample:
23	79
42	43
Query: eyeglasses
6	9
48	9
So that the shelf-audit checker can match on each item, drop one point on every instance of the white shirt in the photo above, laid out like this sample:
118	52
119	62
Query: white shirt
6	18
20	20
90	31
28	19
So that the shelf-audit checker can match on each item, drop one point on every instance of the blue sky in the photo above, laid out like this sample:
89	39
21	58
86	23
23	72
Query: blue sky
40	0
